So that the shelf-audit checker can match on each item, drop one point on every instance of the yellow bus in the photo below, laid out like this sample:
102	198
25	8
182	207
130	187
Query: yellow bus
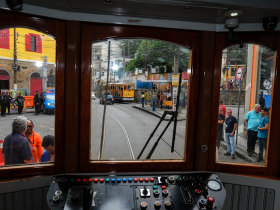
122	92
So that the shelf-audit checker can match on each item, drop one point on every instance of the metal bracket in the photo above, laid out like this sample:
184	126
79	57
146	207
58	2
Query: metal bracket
204	148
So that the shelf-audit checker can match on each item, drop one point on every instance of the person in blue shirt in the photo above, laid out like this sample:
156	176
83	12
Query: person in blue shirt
263	132
253	119
48	144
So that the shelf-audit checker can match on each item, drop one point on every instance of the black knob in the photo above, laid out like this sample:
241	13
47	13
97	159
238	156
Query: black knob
75	197
157	205
143	205
171	179
185	179
163	179
167	204
55	199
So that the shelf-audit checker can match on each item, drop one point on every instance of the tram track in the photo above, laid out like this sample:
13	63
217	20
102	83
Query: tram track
101	151
132	156
164	141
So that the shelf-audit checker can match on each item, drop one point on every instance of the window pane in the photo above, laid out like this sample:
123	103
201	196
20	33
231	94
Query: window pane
27	98
33	43
245	101
139	71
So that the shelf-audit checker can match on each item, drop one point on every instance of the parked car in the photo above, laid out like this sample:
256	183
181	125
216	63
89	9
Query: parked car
93	95
110	99
49	103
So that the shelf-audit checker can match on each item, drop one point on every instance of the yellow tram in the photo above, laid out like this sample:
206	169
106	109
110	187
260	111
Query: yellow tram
122	92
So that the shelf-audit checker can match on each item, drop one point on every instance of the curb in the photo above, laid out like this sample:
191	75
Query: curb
239	152
157	114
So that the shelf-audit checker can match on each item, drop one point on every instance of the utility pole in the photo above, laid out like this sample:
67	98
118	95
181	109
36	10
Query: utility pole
45	69
15	65
124	63
146	55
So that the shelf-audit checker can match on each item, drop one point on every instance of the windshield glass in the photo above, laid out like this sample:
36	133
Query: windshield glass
50	97
138	74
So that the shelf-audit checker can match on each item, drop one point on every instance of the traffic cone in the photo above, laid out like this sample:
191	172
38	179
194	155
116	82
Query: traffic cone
1	157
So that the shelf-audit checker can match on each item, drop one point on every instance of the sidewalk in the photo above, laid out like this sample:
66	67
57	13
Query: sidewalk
241	147
158	113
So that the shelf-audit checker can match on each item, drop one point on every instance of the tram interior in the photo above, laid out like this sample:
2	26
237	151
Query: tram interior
181	65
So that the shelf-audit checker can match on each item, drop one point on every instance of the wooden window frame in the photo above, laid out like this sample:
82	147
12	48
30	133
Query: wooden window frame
272	41
96	32
56	29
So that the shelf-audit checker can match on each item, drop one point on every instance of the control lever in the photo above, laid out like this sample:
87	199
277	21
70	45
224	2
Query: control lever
87	198
145	191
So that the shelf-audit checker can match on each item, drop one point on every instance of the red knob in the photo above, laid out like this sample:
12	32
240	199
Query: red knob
210	199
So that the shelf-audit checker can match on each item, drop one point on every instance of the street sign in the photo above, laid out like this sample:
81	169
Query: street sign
239	73
175	80
175	95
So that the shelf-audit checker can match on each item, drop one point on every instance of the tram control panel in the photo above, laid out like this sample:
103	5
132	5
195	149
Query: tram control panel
130	192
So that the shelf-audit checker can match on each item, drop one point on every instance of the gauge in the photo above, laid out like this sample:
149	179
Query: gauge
214	185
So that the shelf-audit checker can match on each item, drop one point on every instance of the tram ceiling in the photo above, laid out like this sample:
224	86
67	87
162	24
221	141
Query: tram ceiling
197	11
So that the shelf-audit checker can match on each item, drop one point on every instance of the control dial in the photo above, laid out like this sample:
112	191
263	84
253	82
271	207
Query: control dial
157	205
156	193
55	199
58	192
167	205
143	205
171	179
165	193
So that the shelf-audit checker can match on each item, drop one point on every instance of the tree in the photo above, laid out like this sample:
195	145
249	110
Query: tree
157	53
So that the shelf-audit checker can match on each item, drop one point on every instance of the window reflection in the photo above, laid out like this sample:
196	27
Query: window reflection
140	89
27	86
245	100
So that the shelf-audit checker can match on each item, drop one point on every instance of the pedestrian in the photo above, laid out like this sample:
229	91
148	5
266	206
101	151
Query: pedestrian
16	148
221	104
154	100
3	100
221	120
35	141
262	101
231	125
253	120
37	103
142	99
263	132
9	98
42	99
146	97
48	144
20	101
161	99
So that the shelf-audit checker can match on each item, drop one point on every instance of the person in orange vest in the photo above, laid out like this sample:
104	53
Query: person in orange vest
35	141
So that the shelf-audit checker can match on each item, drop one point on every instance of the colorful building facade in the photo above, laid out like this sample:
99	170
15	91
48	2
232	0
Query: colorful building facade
27	60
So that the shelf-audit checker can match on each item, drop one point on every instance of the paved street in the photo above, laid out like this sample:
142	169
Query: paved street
44	124
132	129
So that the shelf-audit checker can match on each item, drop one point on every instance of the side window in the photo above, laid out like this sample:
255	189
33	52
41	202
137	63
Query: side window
245	104
27	97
